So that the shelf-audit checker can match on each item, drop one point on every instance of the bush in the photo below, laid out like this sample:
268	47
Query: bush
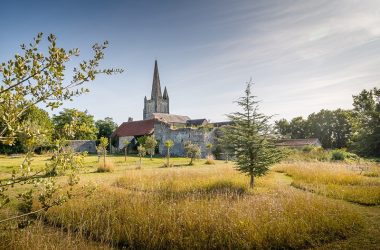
342	155
108	167
210	160
338	155
308	148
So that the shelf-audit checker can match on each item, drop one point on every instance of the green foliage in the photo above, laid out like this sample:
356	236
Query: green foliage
141	151
105	127
343	155
332	128
36	132
192	151
32	77
282	127
126	144
102	149
338	155
72	124
141	140
249	137
168	144
150	145
366	140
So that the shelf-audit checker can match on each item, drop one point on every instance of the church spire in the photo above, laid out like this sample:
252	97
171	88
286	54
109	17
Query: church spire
156	86
166	96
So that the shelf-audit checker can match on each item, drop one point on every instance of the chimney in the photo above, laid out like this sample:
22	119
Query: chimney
130	119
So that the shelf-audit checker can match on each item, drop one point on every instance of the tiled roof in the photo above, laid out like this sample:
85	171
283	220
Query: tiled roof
144	127
297	142
169	118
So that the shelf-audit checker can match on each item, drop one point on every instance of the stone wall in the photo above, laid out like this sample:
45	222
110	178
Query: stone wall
122	140
155	106
83	145
200	136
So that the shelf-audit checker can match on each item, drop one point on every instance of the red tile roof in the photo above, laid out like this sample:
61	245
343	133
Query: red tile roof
145	127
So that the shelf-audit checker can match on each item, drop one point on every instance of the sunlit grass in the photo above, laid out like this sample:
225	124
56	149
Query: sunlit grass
341	181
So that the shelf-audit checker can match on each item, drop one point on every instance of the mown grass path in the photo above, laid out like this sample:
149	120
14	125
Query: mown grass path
368	238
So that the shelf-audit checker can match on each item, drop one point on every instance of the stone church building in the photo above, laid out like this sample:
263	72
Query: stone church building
158	122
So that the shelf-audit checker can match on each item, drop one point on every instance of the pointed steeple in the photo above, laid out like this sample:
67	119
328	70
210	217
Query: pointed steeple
166	96
156	86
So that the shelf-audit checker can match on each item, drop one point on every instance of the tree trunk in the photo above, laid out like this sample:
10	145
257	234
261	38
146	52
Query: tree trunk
167	158
140	163
151	155
191	161
104	160
125	154
252	181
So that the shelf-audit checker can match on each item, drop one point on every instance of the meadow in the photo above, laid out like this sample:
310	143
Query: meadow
297	205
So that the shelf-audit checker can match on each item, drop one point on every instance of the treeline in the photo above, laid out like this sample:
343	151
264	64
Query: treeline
70	124
357	129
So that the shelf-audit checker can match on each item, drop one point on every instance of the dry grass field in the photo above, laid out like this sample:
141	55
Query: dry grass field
298	205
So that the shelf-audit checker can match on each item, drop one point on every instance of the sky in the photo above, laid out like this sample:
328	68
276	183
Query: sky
303	56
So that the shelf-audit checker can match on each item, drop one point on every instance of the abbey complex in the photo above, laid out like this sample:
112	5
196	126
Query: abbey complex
158	122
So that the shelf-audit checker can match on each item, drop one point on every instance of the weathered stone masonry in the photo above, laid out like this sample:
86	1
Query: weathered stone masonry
200	136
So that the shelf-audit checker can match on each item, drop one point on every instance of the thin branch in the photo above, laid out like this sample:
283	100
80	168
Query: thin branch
22	81
22	215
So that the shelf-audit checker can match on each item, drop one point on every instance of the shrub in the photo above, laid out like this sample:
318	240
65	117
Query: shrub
338	155
341	155
107	167
210	160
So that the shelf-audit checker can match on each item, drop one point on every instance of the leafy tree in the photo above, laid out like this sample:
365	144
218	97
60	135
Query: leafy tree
141	140
332	128
126	144
249	136
102	148
150	145
168	144
283	128
141	151
73	124
366	140
299	128
34	120
105	127
192	151
209	147
32	78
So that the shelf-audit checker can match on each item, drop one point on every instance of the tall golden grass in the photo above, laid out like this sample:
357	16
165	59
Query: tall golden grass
173	208
336	180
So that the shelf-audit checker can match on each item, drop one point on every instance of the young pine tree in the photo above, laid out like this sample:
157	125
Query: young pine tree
249	138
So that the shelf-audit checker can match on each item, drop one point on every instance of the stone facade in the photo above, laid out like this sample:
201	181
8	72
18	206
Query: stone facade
200	136
83	145
158	103
122	139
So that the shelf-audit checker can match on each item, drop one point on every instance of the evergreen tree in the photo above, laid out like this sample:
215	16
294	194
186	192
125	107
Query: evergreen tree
249	137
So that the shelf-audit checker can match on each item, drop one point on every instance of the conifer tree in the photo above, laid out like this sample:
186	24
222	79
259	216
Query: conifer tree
249	138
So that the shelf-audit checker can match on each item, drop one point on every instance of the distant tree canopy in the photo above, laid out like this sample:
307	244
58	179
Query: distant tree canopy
366	139
35	119
105	127
73	124
357	129
332	128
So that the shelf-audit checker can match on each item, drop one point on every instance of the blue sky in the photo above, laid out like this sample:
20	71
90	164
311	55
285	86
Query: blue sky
302	55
